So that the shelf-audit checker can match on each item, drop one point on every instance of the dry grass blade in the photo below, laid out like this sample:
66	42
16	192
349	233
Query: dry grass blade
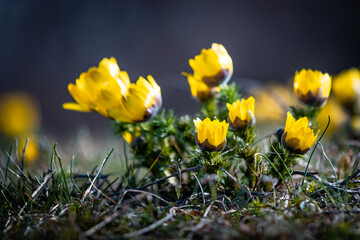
172	175
202	190
97	175
101	192
19	168
140	191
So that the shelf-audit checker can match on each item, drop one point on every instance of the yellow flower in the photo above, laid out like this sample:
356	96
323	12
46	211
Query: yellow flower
107	90
213	66
199	89
298	136
346	86
19	114
241	113
211	135
31	151
99	89
141	102
312	87
337	116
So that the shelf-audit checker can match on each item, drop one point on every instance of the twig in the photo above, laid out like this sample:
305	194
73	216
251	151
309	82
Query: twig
353	143
353	176
302	173
149	228
102	224
77	176
208	209
109	219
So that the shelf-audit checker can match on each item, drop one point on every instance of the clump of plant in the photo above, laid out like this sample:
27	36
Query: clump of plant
210	163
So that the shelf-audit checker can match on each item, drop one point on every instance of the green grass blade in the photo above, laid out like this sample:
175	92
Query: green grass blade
312	153
276	170
67	192
152	165
71	174
23	157
7	164
286	168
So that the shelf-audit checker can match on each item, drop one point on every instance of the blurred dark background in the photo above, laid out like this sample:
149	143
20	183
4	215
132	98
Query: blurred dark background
47	44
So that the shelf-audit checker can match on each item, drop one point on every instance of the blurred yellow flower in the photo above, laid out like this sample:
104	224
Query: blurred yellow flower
241	113
199	89
99	89
32	148
272	102
213	66
211	135
298	136
19	114
312	87
128	137
107	90
346	86
355	125
141	102
337	116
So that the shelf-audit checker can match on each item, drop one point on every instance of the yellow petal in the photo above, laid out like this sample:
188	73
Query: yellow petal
120	115
75	107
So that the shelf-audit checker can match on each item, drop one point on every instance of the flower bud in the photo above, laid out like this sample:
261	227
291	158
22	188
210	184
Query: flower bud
211	135
298	136
312	87
241	113
213	66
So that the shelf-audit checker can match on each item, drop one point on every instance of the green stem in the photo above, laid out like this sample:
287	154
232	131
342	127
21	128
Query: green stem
276	170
